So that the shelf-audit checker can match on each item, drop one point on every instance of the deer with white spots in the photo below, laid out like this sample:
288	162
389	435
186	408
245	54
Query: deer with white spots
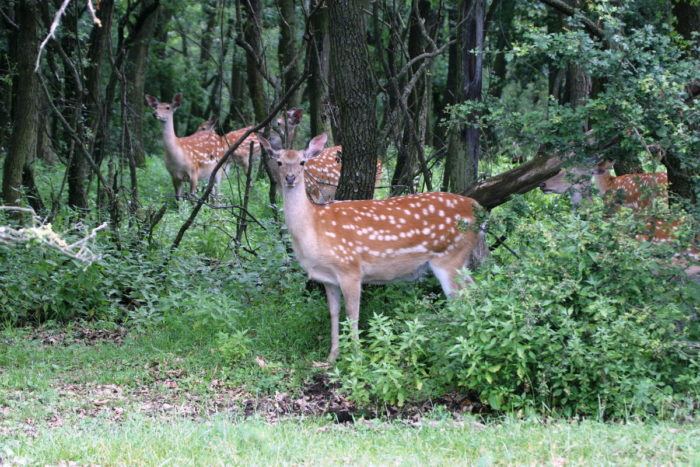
323	174
637	192
286	129
207	126
190	158
347	243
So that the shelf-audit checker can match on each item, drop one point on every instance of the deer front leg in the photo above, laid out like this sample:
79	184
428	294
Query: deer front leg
194	179
333	297
177	184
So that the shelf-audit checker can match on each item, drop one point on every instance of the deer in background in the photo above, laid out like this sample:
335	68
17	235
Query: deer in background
286	125
190	158
208	125
323	174
635	191
348	243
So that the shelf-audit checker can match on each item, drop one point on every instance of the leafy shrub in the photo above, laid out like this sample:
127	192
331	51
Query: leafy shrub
587	321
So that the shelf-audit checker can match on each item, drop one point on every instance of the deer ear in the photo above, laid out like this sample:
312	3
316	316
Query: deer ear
151	101
316	146
269	147
603	167
212	121
177	100
296	115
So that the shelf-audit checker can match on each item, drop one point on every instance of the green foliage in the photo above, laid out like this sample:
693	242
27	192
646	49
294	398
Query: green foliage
233	347
390	367
587	321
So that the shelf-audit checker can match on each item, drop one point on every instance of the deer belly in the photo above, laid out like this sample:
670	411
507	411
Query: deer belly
394	270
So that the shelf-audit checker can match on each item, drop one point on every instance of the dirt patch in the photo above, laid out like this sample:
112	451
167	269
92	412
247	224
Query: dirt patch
79	334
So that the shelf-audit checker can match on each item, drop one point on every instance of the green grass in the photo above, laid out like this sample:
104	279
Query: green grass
219	440
153	399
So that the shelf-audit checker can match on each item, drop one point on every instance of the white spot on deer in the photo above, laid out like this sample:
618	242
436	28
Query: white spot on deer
431	208
426	231
330	234
441	227
441	213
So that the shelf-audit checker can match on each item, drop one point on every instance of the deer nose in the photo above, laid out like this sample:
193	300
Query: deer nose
290	179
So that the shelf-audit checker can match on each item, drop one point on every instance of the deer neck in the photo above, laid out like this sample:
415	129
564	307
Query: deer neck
604	182
172	148
299	215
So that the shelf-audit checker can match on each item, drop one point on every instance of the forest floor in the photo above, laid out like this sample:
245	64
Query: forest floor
82	395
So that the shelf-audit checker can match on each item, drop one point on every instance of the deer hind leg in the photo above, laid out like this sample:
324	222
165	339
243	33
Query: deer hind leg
352	290
333	297
446	269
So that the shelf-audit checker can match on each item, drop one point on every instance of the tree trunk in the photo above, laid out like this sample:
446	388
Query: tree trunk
462	163
140	35
74	95
503	32
353	93
318	81
287	50
523	178
252	36
407	160
23	139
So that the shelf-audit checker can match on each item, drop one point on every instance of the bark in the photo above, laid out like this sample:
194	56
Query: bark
74	95
140	35
407	158
96	114
525	177
287	49
254	56
318	82
444	97
22	144
503	33
463	149
353	93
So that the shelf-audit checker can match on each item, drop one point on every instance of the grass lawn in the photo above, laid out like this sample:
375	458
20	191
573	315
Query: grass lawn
102	397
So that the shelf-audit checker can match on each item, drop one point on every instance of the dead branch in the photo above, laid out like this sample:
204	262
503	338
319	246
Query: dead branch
42	232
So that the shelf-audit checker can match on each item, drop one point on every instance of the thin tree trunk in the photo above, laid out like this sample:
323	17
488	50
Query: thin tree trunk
252	36
353	93
24	103
407	160
318	89
140	36
287	49
74	96
463	139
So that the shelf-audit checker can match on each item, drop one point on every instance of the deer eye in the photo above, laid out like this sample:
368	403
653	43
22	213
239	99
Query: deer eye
302	162
279	163
167	107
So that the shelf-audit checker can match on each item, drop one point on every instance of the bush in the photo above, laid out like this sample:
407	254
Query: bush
586	322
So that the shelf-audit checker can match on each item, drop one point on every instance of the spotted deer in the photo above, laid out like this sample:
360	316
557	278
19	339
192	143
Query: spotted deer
323	173
347	243
635	191
189	158
286	125
207	126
